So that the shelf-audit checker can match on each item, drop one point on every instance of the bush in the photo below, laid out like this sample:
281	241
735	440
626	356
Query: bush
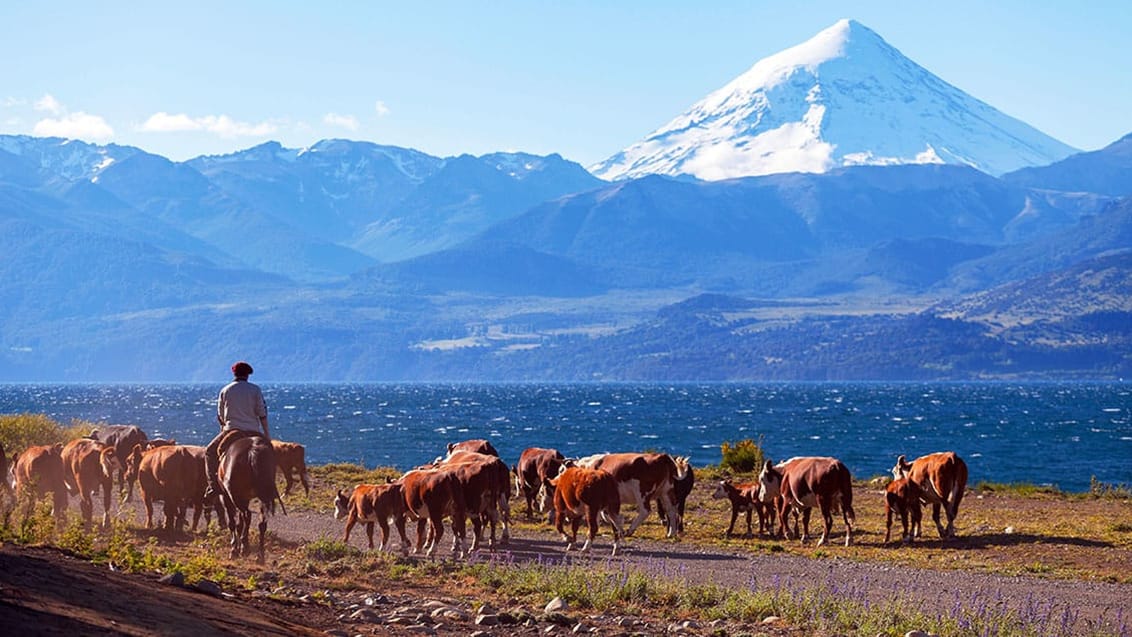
20	431
744	456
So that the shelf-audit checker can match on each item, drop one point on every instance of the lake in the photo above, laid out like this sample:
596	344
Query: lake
1042	433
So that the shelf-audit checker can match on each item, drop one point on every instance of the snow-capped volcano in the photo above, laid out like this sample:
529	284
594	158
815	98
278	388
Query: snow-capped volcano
845	97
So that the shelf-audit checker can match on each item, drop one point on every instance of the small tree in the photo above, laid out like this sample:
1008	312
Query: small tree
744	456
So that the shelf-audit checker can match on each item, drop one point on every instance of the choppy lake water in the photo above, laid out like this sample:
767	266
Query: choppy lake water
1044	433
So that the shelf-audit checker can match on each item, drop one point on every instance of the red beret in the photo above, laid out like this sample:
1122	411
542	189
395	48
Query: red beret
241	369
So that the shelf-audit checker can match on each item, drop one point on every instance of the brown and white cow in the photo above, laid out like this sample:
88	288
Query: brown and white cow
430	496
369	503
171	475
808	482
642	477
291	460
579	493
478	445
902	497
39	470
744	498
536	466
123	438
942	479
89	466
486	487
681	489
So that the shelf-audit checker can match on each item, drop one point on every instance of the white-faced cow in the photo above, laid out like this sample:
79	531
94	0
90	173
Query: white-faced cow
583	494
642	477
369	503
942	479
485	485
536	466
808	482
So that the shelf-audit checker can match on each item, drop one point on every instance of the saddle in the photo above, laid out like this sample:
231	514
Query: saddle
232	435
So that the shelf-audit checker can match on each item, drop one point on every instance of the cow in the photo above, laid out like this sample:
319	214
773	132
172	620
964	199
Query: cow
744	498
642	477
200	505
371	503
808	482
171	475
122	438
153	443
536	465
89	466
579	493
39	470
485	485
681	489
291	459
902	497
430	495
479	446
942	479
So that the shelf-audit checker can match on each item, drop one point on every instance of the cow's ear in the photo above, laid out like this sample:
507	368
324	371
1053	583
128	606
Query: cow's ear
137	449
768	465
451	445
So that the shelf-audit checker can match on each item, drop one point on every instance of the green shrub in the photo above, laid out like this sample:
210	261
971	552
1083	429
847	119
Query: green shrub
744	456
20	431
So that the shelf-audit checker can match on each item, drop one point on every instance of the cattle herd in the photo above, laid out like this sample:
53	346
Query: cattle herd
469	484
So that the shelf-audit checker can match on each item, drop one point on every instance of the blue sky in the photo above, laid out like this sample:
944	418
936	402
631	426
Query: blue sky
583	79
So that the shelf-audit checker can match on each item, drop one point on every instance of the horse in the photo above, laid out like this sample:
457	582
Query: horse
246	471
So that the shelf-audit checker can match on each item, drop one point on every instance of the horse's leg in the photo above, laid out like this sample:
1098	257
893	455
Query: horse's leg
262	533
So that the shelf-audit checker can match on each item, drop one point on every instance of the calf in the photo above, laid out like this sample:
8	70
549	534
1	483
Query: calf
123	438
291	459
942	479
430	495
371	503
579	493
902	497
744	498
88	466
536	466
805	483
681	489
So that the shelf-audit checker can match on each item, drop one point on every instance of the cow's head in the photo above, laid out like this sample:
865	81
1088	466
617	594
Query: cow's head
133	464
108	458
901	469
682	467
770	482
341	505
546	494
721	489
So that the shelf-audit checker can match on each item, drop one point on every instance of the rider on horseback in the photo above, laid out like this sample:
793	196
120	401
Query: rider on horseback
241	412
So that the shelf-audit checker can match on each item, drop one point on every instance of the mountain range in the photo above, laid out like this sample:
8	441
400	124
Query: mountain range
1006	256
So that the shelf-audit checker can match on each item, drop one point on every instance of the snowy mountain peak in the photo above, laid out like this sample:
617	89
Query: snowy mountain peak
844	97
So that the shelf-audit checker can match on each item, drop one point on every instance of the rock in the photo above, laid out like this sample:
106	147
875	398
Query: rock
916	633
558	619
374	600
334	632
580	628
1009	530
486	620
208	587
176	578
365	615
557	605
771	619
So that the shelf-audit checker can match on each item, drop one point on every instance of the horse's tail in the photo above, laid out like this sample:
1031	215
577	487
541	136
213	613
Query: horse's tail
262	461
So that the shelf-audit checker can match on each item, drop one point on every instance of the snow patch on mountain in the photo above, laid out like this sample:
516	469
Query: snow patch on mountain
845	97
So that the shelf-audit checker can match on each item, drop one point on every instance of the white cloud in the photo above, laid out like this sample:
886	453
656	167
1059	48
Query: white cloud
221	125
345	121
10	102
381	108
50	104
78	125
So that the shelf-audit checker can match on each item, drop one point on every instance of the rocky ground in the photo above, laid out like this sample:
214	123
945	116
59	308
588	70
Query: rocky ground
45	591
